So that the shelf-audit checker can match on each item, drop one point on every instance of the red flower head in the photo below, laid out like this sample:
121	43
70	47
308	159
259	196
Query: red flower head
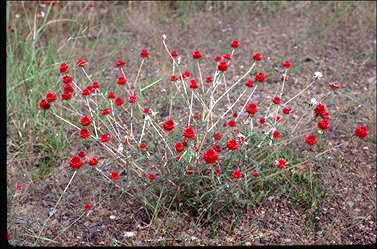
152	177
68	88
185	74
324	124
251	108
185	143
286	64
86	91
75	162
276	100
281	163
287	110
81	63
223	66
85	121
18	186
218	58
82	154
63	68
260	76
210	156
194	84
144	53
276	135
196	54
132	99
189	169
189	132
115	175
67	79
209	79
284	77
88	206
255	173
174	54
236	174
111	95
320	109
235	44
142	146
120	63
257	56
122	80
235	114
227	56
95	85
147	111
262	120
169	125
179	147
277	118
249	83
217	135
232	144
105	111
119	101
361	131
66	95
174	77
334	85
44	104
232	123
217	147
105	137
93	161
84	133
311	139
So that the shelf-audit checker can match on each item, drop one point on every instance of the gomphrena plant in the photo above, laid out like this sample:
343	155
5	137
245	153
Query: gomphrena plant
215	152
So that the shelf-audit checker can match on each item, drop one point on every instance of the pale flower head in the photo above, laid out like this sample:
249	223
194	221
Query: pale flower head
317	75
164	37
313	101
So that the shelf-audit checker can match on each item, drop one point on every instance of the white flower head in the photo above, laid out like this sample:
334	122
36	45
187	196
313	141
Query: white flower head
120	148
179	60
317	75
164	37
313	101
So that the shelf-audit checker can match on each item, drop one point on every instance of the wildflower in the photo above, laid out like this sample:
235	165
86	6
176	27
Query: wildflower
217	135
286	64
174	54
251	108
66	96
235	44
317	75
232	144
67	79
105	137
185	143
277	118
189	169
85	121
63	68
232	123
260	76
115	175
361	131
284	77
95	85
84	133
311	139
334	85
262	120
185	74
320	109
235	114
218	58
287	110
18	186
281	163
196	54
119	101
223	66
44	104
169	125
50	97
81	63
85	92
152	177
189	132
209	79
68	88
75	162
276	100
121	80
144	53
249	83
257	56
132	99
88	206
179	147
227	56
276	135
236	174
210	156
174	77
142	146
217	147
105	111
120	63
324	124
93	161
82	153
255	173
194	84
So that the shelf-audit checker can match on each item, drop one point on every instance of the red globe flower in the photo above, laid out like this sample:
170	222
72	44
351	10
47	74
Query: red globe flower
142	146
227	56
67	79
257	56
217	147
95	85
88	206
85	121
218	171
217	135
119	101
262	120
185	75
18	186
82	154
287	110
105	137
85	92
81	63
276	135
194	84
251	108
152	177
311	139
276	100
111	95
144	53
361	131
93	161
63	68
174	77
120	63
281	163
218	58
66	95
179	147
235	44
232	123
249	83
174	54
210	156
75	162
132	99
115	175
232	144
237	174
185	143
84	133
286	64
189	132
335	85
44	104
324	124
105	111
196	54
189	169
68	88
121	80
255	173
223	66
209	79
260	76
320	109
147	111
169	125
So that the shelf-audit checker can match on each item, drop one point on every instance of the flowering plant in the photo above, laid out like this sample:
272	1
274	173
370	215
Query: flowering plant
219	152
